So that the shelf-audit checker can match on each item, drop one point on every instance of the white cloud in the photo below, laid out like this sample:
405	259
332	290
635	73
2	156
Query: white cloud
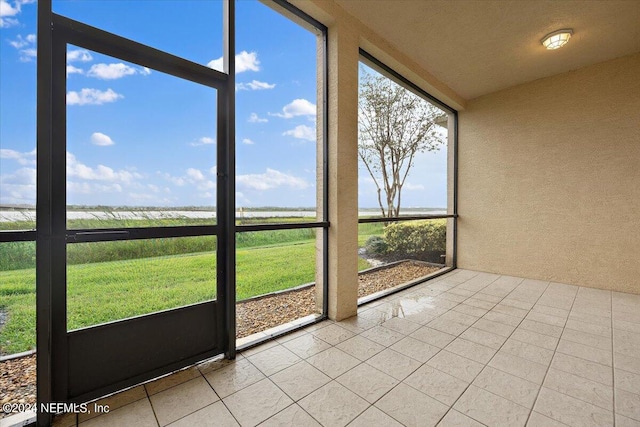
23	176
205	140
92	97
176	180
115	71
28	158
297	107
255	85
21	42
195	174
74	188
18	187
271	179
410	186
80	55
302	132
25	46
110	71
74	70
101	139
27	55
247	141
216	64
245	61
197	178
254	118
192	176
75	169
6	11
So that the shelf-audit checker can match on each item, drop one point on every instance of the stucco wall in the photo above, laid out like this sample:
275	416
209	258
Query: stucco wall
549	178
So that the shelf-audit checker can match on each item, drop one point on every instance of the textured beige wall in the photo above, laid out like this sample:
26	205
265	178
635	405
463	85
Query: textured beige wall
549	178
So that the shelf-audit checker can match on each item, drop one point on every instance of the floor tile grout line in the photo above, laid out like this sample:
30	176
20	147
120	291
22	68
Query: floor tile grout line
421	364
486	364
571	373
551	362
457	336
222	399
453	309
202	375
144	386
392	388
471	382
295	401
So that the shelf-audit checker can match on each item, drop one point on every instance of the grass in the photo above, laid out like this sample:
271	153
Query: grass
20	255
115	280
101	292
18	297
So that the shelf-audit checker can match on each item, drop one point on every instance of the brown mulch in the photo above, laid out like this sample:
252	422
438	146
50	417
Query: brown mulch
264	313
18	376
18	381
380	280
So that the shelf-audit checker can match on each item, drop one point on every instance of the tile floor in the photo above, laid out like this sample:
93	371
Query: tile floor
467	349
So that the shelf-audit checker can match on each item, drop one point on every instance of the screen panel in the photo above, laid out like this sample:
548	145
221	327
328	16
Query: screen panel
141	146
191	29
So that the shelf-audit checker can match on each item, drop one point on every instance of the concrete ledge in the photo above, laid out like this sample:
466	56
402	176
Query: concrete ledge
19	420
17	355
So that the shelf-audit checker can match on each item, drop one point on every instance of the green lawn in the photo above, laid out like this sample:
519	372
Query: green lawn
115	280
101	292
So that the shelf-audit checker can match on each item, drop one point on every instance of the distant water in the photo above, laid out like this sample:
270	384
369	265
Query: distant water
28	215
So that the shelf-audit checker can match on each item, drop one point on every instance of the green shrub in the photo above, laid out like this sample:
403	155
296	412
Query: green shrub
425	240
376	245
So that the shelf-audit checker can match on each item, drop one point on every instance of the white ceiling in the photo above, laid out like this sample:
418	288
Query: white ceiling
477	47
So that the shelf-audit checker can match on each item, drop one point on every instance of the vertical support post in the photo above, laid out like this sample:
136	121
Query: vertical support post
51	308
451	193
454	263
43	209
226	201
322	172
343	56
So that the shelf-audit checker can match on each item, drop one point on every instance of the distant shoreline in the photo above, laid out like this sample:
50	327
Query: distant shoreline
28	214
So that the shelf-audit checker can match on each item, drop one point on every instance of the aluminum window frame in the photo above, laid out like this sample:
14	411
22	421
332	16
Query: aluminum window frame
286	8
51	230
379	66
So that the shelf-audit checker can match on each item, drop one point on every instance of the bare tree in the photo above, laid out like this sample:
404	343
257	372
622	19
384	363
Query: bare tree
394	125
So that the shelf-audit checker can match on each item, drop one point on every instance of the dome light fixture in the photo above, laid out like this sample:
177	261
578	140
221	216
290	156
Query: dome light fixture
557	39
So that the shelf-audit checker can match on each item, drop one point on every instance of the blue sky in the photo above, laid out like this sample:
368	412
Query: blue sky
138	137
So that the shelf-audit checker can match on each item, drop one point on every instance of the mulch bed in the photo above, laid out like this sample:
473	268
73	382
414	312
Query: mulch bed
379	280
264	313
18	376
18	381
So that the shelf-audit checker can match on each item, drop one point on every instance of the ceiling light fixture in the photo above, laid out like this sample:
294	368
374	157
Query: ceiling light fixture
557	39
